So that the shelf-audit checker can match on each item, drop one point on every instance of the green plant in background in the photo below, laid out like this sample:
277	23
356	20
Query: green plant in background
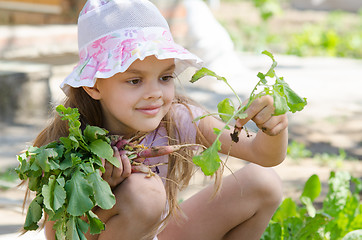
336	37
297	150
339	35
8	178
254	37
268	8
333	159
340	216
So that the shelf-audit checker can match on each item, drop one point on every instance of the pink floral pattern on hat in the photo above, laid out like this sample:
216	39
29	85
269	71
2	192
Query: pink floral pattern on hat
115	52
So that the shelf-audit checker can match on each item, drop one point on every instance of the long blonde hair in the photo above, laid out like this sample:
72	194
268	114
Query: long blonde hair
180	166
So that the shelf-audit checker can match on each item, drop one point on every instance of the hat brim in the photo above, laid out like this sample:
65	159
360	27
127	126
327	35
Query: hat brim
115	52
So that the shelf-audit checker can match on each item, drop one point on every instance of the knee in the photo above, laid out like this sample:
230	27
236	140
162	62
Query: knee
144	198
266	184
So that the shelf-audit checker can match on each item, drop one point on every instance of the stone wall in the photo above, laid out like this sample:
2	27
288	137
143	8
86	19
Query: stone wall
24	91
16	12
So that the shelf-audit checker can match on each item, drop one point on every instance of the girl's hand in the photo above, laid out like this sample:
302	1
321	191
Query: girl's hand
114	176
261	112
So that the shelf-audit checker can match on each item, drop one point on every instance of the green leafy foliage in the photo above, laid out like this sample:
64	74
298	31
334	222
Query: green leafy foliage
267	8
337	36
285	100
297	150
339	217
65	176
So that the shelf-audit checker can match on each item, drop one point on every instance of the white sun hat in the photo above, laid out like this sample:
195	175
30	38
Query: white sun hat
112	34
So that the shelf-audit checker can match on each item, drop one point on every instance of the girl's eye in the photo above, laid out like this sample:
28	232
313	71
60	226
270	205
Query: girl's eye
167	78
134	81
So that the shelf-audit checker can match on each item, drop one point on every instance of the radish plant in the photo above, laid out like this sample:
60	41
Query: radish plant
65	175
338	218
285	100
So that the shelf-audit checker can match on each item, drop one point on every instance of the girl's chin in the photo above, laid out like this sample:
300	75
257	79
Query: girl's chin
145	128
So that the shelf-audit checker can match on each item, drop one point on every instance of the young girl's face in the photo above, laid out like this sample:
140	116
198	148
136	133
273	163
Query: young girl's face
138	99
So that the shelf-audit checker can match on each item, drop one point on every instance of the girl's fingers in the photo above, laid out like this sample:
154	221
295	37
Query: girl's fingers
264	115
108	171
117	172
126	166
139	160
274	125
259	111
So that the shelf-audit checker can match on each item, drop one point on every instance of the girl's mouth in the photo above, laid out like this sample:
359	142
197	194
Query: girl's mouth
151	111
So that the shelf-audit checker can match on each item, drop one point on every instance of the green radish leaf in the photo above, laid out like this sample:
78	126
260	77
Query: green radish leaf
312	225
96	225
291	227
295	102
280	105
338	193
57	215
72	115
103	150
273	231
92	133
34	214
33	184
69	142
209	160
261	76
312	188
271	72
205	72
288	208
54	194
66	162
78	191
309	205
102	192
83	227
225	109
73	231
76	158
42	159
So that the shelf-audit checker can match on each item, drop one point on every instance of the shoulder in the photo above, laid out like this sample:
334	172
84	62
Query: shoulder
186	112
182	115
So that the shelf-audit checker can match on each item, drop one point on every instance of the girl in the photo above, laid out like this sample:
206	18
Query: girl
124	82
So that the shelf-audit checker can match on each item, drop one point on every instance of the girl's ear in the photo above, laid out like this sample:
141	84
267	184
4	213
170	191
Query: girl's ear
93	92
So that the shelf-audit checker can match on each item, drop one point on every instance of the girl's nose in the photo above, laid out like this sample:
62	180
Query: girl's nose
153	90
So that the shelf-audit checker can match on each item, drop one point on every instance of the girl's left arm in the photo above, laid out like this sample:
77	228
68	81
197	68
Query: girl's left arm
267	147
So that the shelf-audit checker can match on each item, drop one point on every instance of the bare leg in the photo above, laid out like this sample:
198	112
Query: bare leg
140	203
242	210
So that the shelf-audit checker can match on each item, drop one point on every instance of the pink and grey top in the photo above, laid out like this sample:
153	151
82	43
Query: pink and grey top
183	120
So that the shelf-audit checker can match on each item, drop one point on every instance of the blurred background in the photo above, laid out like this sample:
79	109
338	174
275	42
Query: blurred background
317	44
